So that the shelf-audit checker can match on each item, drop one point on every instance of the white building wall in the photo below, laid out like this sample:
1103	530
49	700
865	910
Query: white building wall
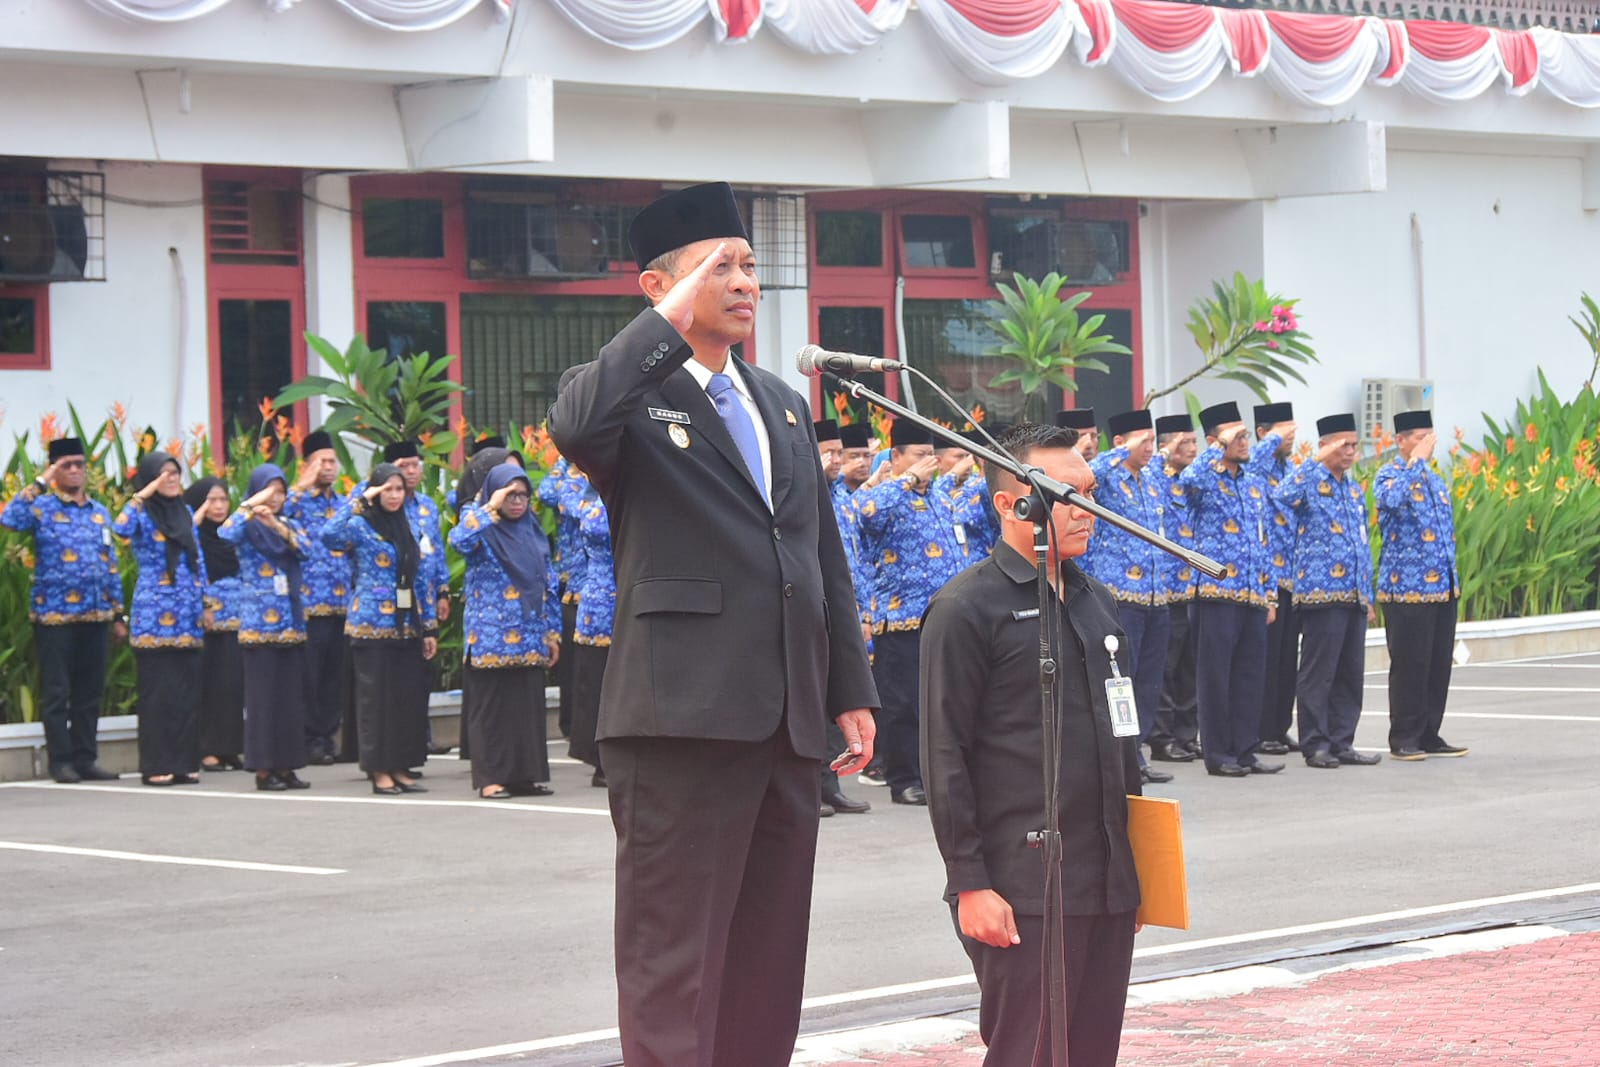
140	336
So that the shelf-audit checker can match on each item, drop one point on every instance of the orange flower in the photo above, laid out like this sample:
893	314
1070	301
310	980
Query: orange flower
198	431
119	414
462	428
48	431
109	434
266	409
1544	457
173	448
346	483
1529	524
1531	432
1512	490
1511	444
130	472
425	439
1474	463
1561	483
529	438
1458	433
977	414
1491	460
297	434
1585	446
841	406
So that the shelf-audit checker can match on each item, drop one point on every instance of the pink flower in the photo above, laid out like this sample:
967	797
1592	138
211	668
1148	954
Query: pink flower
1260	327
1272	345
1278	310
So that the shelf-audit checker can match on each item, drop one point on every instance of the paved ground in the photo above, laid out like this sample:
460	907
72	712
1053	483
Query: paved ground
350	929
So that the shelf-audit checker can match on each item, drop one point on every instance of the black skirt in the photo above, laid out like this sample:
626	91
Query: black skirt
391	723
588	670
274	707
563	671
222	696
504	716
169	709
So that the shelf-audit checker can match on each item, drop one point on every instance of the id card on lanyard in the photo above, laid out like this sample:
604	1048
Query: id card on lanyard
1119	696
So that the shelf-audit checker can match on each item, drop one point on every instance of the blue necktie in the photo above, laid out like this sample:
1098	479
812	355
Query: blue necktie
739	425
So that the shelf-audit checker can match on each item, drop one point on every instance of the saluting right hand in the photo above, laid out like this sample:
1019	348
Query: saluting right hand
1423	447
258	501
370	493
48	475
677	307
923	470
986	916
497	501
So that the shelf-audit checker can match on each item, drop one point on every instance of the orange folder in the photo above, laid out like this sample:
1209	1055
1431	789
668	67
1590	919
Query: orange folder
1155	829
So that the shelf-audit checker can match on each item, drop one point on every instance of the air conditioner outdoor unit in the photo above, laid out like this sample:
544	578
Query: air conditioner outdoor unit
1382	398
42	242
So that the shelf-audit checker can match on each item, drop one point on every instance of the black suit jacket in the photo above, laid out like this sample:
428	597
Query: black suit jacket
728	615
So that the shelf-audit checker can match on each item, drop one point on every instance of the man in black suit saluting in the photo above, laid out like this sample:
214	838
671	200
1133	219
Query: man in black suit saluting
735	640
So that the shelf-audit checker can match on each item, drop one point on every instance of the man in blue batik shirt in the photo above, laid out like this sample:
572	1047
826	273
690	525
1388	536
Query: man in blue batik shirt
1418	586
1132	568
326	579
1177	734
830	453
1283	635
1227	511
1332	593
920	544
76	594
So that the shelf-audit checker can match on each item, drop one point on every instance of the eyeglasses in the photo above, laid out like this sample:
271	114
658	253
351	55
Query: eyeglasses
522	497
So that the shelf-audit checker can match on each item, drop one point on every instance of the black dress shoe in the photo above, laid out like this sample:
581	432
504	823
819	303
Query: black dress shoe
233	763
380	790
321	759
294	781
532	789
185	779
1192	746
1264	768
1292	746
96	773
598	780
66	775
438	750
1273	748
909	795
1171	752
1227	770
1324	761
1443	749
410	787
1409	755
150	779
272	784
213	768
1357	759
498	794
824	811
844	805
1151	776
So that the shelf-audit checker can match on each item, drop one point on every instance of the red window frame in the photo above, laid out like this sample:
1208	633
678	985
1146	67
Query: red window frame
253	281
39	358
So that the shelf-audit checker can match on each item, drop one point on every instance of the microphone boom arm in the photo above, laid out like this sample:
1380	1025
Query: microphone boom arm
1060	491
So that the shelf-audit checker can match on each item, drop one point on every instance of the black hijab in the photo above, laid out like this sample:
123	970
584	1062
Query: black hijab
266	541
170	515
521	546
477	469
222	559
395	528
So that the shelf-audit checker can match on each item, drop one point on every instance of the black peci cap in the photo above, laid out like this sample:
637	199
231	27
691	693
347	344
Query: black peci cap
680	218
314	442
1413	420
1219	415
400	450
1343	423
1272	414
62	447
1076	418
1174	424
905	432
1129	422
826	429
855	435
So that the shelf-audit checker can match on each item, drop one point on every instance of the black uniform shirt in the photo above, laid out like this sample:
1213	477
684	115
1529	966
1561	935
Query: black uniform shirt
982	739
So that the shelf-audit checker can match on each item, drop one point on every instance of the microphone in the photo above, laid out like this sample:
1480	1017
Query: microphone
813	362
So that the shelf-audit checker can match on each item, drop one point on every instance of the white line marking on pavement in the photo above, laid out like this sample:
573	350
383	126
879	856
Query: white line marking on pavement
1534	665
565	1041
1514	688
397	802
152	857
1496	715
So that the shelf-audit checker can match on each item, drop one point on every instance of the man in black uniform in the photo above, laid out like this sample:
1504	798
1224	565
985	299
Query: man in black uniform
735	642
981	744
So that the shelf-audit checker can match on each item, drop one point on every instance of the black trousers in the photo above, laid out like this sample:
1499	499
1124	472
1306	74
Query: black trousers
72	683
349	729
1421	639
716	843
1099	950
222	696
895	664
1230	658
1332	657
563	670
1145	660
325	680
1283	666
1178	719
588	665
170	686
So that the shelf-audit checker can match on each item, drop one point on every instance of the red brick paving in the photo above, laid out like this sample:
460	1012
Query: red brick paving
1535	1005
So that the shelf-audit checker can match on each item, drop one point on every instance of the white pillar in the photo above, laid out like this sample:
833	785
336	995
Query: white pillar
330	269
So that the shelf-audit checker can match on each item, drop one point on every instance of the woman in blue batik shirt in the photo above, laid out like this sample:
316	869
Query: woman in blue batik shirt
165	630
591	634
391	625
272	630
222	669
513	634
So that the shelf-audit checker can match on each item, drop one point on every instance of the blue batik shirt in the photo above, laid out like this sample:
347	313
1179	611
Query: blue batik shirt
1332	556
1417	560
75	576
266	616
504	627
166	612
568	496
1177	577
1228	514
373	614
1273	468
597	595
433	572
979	523
325	577
1124	564
861	578
916	549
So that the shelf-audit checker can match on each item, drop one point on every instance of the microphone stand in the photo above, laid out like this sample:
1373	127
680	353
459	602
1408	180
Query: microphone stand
1036	507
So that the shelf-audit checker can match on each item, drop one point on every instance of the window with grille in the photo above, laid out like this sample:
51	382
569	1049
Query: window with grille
252	224
519	231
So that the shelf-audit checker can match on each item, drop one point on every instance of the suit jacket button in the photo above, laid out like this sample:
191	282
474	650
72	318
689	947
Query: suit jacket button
777	534
663	348
645	366
788	589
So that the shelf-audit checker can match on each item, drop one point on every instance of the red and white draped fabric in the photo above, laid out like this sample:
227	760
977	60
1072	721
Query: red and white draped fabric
389	14
995	41
834	27
736	20
1321	60
1450	62
1168	51
634	24
1569	66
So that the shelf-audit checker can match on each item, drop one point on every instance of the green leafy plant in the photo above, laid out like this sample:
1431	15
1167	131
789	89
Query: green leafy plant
1045	338
1588	325
379	398
1245	335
